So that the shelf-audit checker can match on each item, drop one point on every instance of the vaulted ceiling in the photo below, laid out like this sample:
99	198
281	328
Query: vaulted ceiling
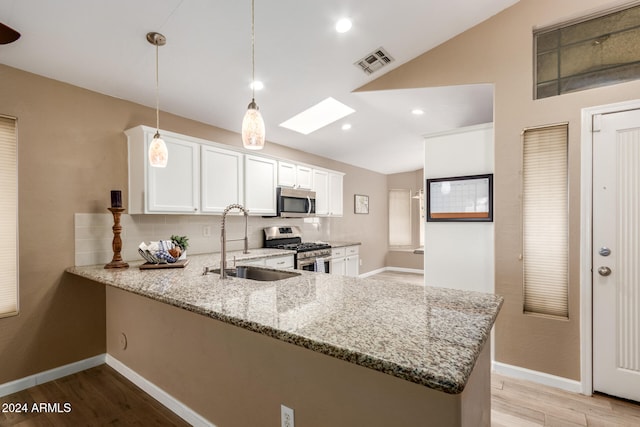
205	67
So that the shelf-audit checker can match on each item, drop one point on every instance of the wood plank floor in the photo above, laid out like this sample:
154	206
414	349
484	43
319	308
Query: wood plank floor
100	397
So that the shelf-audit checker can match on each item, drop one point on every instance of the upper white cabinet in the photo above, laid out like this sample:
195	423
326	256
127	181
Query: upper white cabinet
321	187
260	185
222	178
335	194
173	189
294	176
328	188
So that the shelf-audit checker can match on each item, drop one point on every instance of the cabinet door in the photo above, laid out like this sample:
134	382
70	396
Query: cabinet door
286	261
352	265
222	178
286	174
338	266
321	187
260	185
335	194
304	177
175	188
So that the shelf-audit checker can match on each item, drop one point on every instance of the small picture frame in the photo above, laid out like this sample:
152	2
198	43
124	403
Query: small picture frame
361	204
460	198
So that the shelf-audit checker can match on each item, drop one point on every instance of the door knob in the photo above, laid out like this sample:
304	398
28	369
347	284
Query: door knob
604	271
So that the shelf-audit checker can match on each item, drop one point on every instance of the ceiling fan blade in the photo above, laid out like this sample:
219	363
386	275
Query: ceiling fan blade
8	34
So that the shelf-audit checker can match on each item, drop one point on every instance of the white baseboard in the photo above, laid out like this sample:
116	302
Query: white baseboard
565	384
170	402
383	269
50	375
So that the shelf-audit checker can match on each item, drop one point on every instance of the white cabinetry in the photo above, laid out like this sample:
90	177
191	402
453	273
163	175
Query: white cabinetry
352	261
294	176
335	194
345	261
285	262
222	178
279	262
260	185
173	189
337	261
321	187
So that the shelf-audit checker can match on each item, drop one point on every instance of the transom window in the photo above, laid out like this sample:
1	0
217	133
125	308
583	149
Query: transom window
593	52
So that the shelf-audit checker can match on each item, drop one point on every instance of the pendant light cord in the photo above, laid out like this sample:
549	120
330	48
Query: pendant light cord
253	50
157	92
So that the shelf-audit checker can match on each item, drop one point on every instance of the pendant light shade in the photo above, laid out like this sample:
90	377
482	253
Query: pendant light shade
253	131
158	153
253	128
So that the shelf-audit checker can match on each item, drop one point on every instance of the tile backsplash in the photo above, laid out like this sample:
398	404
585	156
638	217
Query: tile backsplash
94	236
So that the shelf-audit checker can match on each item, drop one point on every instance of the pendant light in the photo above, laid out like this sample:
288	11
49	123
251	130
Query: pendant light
252	124
158	154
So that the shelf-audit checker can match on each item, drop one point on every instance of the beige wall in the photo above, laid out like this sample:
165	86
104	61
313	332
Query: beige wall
499	51
72	152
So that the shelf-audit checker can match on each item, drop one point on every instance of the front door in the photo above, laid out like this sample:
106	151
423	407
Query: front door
616	254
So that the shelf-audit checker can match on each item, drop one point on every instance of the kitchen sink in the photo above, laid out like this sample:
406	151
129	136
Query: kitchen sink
255	273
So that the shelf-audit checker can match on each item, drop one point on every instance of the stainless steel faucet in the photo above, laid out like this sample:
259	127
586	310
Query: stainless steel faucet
223	236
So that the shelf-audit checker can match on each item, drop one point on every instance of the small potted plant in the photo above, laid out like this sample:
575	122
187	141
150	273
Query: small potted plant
181	242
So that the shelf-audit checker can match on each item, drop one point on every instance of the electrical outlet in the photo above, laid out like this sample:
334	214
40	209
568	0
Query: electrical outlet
286	416
206	231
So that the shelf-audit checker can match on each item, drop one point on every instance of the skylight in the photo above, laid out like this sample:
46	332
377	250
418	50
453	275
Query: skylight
318	116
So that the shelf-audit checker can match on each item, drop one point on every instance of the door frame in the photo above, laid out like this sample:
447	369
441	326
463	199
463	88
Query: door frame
586	236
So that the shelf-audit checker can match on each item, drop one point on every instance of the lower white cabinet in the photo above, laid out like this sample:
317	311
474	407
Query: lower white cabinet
345	261
284	262
352	261
280	262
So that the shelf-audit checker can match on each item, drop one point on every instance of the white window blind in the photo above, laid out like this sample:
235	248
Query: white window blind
8	217
545	229
400	217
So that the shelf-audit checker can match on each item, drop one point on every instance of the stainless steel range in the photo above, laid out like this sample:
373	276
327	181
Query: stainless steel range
310	256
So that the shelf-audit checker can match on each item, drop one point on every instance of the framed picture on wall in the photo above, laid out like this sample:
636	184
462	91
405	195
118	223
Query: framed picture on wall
460	198
361	204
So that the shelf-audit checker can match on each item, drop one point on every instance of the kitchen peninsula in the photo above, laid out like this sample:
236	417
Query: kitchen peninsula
338	350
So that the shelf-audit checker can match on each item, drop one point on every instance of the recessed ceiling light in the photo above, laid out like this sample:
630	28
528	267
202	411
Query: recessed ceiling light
343	25
346	126
257	85
417	112
318	116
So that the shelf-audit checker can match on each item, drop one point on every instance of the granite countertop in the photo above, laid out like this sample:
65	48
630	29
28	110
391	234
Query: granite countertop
429	336
342	244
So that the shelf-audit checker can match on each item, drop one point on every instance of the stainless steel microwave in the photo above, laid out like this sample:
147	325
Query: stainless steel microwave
295	203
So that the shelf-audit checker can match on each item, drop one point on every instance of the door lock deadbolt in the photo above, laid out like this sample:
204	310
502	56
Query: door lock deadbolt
604	251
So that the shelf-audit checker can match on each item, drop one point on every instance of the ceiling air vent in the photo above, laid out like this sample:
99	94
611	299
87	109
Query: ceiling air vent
374	61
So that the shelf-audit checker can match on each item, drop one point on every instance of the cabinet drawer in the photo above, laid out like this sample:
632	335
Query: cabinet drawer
338	252
352	250
280	262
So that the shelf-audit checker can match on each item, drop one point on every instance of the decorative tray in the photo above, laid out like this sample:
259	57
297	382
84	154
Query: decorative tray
178	264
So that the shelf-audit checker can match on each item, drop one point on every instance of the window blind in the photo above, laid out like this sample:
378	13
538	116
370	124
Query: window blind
545	222
8	217
400	217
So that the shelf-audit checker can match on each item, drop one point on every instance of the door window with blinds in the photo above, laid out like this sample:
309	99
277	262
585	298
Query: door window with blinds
8	217
545	221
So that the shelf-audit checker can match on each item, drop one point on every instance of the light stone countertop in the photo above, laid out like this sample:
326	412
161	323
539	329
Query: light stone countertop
342	244
426	335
